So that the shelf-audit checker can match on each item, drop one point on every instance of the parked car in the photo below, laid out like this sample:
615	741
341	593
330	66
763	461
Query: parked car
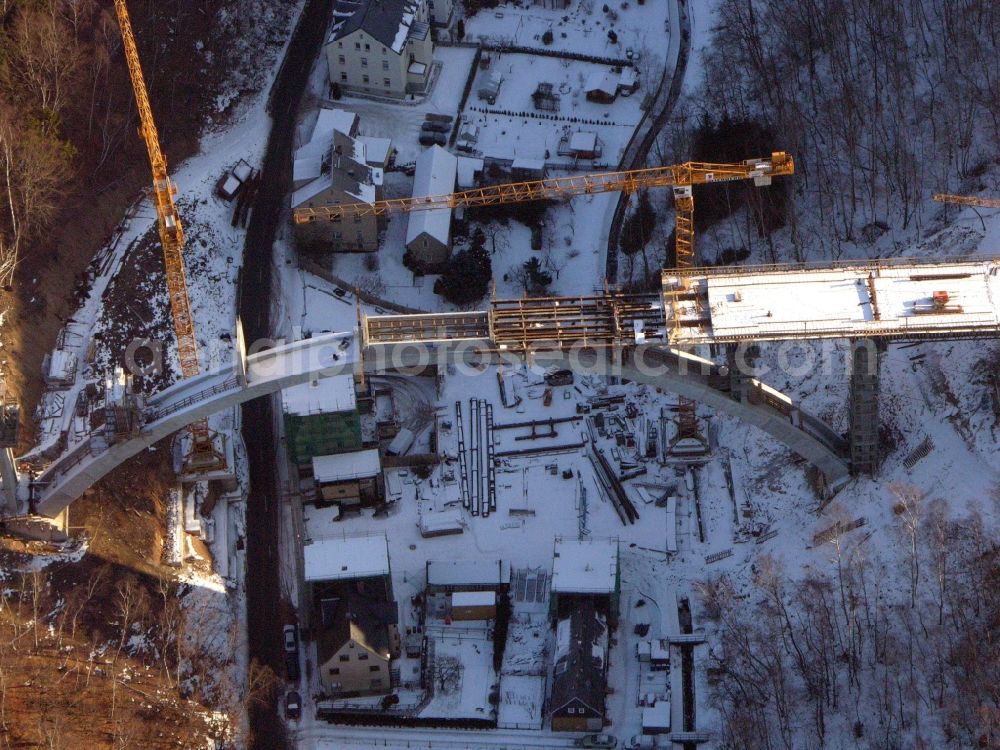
292	667
291	639
641	742
293	705
605	741
433	126
340	292
430	138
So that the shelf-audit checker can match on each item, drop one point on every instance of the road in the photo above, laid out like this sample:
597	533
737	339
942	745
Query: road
644	137
389	738
256	284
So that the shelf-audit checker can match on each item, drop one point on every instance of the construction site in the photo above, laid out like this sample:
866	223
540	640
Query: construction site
562	461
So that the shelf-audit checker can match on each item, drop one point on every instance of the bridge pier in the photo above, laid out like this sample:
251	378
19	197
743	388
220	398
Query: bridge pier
863	432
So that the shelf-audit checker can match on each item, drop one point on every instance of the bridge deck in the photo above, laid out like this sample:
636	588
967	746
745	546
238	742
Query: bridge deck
891	299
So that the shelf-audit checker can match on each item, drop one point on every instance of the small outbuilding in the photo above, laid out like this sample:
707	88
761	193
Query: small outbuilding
601	87
351	479
428	232
473	605
585	145
656	718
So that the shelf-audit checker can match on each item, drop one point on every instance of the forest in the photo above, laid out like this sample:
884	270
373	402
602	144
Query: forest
881	102
892	648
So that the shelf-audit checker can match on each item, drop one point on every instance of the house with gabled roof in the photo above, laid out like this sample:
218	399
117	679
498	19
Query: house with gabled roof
428	232
579	675
356	641
380	47
332	168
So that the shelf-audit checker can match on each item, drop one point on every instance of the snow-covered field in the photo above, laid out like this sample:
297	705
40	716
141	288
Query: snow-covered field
581	28
505	136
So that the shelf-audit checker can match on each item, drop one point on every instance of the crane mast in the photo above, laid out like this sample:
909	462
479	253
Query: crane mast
203	454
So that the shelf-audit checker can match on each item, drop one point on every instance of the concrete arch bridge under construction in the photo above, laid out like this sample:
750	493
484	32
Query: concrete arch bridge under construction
642	337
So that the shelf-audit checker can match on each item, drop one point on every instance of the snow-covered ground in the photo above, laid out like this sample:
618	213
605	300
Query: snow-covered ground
927	393
533	135
582	28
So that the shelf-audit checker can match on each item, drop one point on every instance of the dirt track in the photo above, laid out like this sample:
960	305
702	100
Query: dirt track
263	585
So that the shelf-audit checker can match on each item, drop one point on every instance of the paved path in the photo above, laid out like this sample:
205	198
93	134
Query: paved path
657	117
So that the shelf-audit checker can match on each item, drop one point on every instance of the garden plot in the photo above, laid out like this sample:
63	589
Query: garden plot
582	28
462	676
512	128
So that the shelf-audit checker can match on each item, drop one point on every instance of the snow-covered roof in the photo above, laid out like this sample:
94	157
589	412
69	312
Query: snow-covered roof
344	467
583	141
629	77
328	121
657	716
473	599
347	557
466	171
435	175
320	396
306	169
439	523
602	80
537	165
386	21
460	573
334	159
376	149
585	566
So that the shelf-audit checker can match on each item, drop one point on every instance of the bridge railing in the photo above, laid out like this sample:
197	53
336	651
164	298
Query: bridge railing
869	264
230	384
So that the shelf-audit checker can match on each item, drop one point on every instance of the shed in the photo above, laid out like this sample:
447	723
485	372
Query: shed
351	479
656	718
320	396
441	524
473	605
628	81
584	145
523	170
469	172
377	151
467	575
346	466
601	86
490	88
428	232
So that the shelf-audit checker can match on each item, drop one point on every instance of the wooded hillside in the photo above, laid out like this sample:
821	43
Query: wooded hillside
881	102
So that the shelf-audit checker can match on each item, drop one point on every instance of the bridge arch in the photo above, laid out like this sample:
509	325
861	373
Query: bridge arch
256	375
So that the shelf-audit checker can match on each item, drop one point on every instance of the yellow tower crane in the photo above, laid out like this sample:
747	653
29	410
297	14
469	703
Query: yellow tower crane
203	455
679	176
